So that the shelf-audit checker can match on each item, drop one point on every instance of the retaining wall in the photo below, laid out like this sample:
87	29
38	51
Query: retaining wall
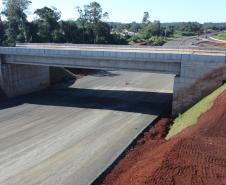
198	79
19	79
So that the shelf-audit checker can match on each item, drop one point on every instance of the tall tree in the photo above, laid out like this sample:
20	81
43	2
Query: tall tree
103	31
146	18
90	19
135	27
2	32
71	32
15	12
151	29
192	28
47	23
82	21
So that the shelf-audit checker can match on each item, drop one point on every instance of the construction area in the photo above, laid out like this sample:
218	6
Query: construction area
194	156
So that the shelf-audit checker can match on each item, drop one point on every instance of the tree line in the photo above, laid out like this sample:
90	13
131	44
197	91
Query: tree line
47	27
156	33
91	27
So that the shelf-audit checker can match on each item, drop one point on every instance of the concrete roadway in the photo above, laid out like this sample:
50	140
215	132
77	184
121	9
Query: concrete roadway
69	136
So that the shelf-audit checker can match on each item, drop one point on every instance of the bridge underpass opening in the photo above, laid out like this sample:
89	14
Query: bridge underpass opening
138	92
141	92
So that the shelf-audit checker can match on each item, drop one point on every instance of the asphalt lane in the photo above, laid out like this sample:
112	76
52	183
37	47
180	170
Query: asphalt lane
70	135
189	41
182	42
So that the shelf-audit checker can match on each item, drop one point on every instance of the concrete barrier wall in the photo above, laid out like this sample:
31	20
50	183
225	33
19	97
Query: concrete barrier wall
18	80
198	78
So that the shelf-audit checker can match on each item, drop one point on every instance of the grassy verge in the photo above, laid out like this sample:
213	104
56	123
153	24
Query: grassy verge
221	37
191	116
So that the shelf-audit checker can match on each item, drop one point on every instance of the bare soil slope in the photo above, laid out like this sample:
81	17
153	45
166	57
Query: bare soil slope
196	156
212	44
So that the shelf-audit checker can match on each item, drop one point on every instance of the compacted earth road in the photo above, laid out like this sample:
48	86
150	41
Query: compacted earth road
70	135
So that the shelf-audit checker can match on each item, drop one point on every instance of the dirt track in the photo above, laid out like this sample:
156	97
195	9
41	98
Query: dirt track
196	156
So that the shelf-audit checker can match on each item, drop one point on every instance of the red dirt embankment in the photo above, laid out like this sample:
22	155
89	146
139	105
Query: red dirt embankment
196	156
212	43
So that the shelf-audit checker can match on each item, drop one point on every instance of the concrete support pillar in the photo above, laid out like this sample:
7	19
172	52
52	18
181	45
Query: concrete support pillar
197	80
18	80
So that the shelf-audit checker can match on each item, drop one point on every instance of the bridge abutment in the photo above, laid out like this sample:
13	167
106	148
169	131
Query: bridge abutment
198	78
17	79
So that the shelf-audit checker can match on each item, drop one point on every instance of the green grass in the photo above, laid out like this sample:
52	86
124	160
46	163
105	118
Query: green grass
221	36
191	116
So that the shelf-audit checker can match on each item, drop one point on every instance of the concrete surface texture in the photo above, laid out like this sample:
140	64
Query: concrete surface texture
71	135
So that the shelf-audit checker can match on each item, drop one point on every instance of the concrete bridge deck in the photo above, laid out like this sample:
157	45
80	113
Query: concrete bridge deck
27	66
109	58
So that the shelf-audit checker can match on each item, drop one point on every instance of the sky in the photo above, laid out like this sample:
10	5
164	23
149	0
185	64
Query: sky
132	10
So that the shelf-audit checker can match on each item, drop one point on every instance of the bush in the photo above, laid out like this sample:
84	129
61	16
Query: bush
135	39
156	41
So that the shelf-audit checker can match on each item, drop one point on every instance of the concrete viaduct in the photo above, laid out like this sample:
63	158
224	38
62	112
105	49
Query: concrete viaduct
198	71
